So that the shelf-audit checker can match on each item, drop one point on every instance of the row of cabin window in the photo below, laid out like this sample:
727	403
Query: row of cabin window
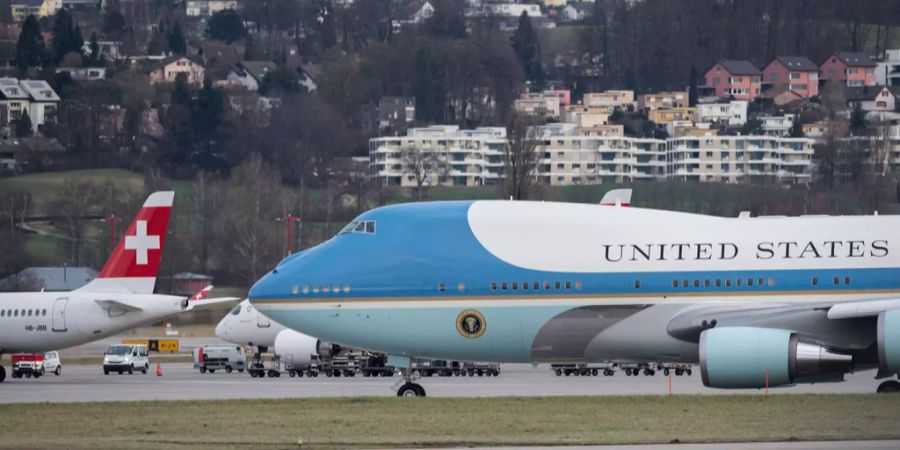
325	289
25	312
835	281
536	285
738	282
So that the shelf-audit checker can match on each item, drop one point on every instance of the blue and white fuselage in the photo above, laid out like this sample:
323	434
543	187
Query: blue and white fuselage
542	281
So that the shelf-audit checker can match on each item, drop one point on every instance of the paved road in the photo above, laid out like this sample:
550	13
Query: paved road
83	383
822	445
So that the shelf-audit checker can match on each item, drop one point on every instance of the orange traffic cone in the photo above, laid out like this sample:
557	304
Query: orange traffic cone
158	369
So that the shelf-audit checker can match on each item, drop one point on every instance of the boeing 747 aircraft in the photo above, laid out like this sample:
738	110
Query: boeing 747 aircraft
121	297
761	301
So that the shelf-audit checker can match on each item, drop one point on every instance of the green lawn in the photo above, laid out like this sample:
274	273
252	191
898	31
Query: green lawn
403	422
43	187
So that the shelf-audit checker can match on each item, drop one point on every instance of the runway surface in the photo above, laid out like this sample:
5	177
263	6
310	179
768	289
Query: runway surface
816	445
86	383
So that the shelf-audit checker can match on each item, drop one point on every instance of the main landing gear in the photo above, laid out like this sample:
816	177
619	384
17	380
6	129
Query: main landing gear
2	371
410	389
889	387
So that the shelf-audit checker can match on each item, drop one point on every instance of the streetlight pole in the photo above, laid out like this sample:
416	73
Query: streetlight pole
289	220
112	220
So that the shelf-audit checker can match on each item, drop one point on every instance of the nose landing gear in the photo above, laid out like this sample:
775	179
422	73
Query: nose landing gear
409	389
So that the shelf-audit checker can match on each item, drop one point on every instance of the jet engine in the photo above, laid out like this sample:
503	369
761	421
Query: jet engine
296	348
749	357
889	341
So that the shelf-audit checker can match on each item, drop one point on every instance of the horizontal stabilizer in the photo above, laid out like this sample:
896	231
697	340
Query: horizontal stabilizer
115	305
194	304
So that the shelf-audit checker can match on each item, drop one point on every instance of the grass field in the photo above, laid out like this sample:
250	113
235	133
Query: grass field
393	422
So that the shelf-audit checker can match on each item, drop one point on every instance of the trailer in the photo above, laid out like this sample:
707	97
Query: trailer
375	365
584	369
677	369
481	369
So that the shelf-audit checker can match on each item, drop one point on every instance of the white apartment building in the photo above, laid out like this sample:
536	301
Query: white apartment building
206	8
663	100
537	105
568	157
887	72
461	157
733	113
776	125
736	159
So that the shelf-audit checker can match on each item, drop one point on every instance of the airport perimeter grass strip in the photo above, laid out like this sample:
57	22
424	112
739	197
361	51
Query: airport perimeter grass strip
369	422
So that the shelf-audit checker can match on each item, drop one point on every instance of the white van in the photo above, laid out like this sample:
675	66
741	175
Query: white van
209	358
126	358
52	363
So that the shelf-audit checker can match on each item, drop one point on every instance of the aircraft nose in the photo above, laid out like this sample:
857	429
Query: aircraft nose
222	330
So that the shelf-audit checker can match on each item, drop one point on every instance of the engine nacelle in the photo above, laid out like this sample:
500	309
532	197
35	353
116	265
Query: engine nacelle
296	348
889	341
744	357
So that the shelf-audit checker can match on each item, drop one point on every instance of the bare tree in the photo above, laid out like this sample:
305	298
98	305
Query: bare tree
13	209
879	178
423	165
75	199
521	156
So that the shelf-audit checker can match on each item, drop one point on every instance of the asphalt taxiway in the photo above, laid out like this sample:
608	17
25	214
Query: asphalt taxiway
86	383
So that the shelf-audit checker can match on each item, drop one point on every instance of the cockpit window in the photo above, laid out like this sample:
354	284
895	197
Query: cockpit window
236	310
359	226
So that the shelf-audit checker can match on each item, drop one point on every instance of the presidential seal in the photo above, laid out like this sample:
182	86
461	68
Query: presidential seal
471	324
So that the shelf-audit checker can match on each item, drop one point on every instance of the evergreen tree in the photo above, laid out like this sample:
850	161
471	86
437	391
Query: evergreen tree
95	50
527	46
226	25
30	50
692	87
206	121
797	129
66	36
176	39
858	120
281	81
113	19
24	125
423	88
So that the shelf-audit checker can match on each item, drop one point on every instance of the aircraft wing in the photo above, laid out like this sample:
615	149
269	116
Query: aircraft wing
116	305
869	308
203	303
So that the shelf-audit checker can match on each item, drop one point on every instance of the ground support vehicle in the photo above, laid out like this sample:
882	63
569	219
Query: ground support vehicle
481	369
27	365
583	369
210	358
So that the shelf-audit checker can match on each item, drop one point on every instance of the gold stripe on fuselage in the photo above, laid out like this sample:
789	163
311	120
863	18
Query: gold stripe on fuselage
337	299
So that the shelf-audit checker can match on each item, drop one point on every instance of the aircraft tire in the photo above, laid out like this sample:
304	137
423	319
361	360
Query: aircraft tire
889	387
2	374
411	390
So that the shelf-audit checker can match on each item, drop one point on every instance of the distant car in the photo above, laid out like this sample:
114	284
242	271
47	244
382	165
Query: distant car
52	363
126	358
210	358
27	365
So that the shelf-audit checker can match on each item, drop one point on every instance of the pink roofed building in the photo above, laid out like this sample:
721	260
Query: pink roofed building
852	69
738	79
792	73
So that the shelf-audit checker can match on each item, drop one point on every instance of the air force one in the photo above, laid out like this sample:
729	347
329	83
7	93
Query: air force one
762	301
121	297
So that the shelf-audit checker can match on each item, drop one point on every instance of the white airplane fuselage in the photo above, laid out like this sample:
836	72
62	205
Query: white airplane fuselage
43	321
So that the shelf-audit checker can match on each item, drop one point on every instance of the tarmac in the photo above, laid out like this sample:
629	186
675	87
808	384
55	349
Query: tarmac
180	381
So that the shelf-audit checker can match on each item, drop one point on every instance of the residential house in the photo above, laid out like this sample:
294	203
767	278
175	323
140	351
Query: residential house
206	8
887	72
776	125
514	10
870	98
415	12
34	96
794	73
664	100
13	101
30	154
248	74
586	116
167	70
106	49
544	107
622	99
815	130
664	116
84	73
21	9
733	113
850	68
738	79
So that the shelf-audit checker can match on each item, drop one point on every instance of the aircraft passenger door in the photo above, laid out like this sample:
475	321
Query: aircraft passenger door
59	314
262	321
